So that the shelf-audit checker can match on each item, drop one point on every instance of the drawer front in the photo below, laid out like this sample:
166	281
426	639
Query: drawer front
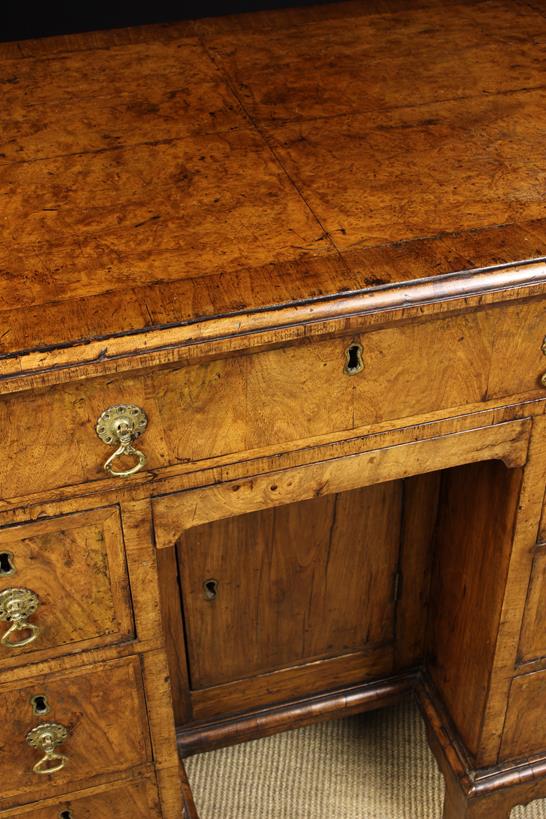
525	726
277	397
533	634
125	800
69	575
101	709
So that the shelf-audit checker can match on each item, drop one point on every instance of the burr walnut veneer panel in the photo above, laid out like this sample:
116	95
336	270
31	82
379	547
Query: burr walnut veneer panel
230	406
102	708
75	564
310	245
136	799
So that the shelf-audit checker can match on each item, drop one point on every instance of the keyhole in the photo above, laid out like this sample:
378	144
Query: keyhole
353	359
40	705
211	589
6	563
66	814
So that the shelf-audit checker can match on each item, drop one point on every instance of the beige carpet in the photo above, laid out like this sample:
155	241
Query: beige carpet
374	766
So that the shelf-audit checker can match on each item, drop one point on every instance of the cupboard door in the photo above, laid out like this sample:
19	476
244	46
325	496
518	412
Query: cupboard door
284	586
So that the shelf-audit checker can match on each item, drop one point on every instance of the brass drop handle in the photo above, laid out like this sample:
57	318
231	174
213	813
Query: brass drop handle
16	606
119	426
46	738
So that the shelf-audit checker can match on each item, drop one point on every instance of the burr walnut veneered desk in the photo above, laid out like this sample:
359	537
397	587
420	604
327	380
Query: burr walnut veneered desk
272	376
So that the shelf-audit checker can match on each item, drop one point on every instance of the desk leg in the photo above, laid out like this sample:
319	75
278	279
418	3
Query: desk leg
457	806
190	811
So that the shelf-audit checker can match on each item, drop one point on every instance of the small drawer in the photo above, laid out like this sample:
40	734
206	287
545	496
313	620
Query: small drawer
63	586
275	398
525	726
533	634
93	720
123	800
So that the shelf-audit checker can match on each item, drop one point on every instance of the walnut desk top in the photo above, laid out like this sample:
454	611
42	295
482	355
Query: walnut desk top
214	223
169	184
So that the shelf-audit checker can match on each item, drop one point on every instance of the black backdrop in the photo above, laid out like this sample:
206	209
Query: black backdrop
20	19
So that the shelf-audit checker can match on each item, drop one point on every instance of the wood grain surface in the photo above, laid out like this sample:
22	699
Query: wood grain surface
471	562
294	584
76	566
103	709
171	174
525	731
533	633
230	406
200	219
124	800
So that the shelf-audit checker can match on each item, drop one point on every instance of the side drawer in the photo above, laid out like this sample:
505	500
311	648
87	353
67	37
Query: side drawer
136	799
533	634
65	579
101	710
525	726
274	398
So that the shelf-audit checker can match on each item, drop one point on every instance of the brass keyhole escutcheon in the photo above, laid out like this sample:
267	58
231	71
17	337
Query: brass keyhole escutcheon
210	587
7	566
40	705
353	359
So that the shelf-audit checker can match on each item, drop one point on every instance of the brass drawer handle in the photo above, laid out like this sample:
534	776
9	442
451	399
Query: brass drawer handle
16	606
119	426
47	738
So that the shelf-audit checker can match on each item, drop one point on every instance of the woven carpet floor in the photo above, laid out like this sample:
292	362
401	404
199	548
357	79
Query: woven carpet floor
374	766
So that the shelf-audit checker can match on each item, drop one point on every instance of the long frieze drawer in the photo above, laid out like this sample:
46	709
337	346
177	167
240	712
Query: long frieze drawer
63	586
533	634
61	731
123	800
277	397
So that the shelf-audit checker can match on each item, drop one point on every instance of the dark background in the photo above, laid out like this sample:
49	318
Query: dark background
20	20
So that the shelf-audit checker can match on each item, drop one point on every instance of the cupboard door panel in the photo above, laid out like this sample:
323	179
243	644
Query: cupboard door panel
283	586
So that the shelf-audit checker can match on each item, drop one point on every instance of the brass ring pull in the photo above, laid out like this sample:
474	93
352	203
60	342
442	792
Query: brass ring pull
47	738
16	606
125	449
119	426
